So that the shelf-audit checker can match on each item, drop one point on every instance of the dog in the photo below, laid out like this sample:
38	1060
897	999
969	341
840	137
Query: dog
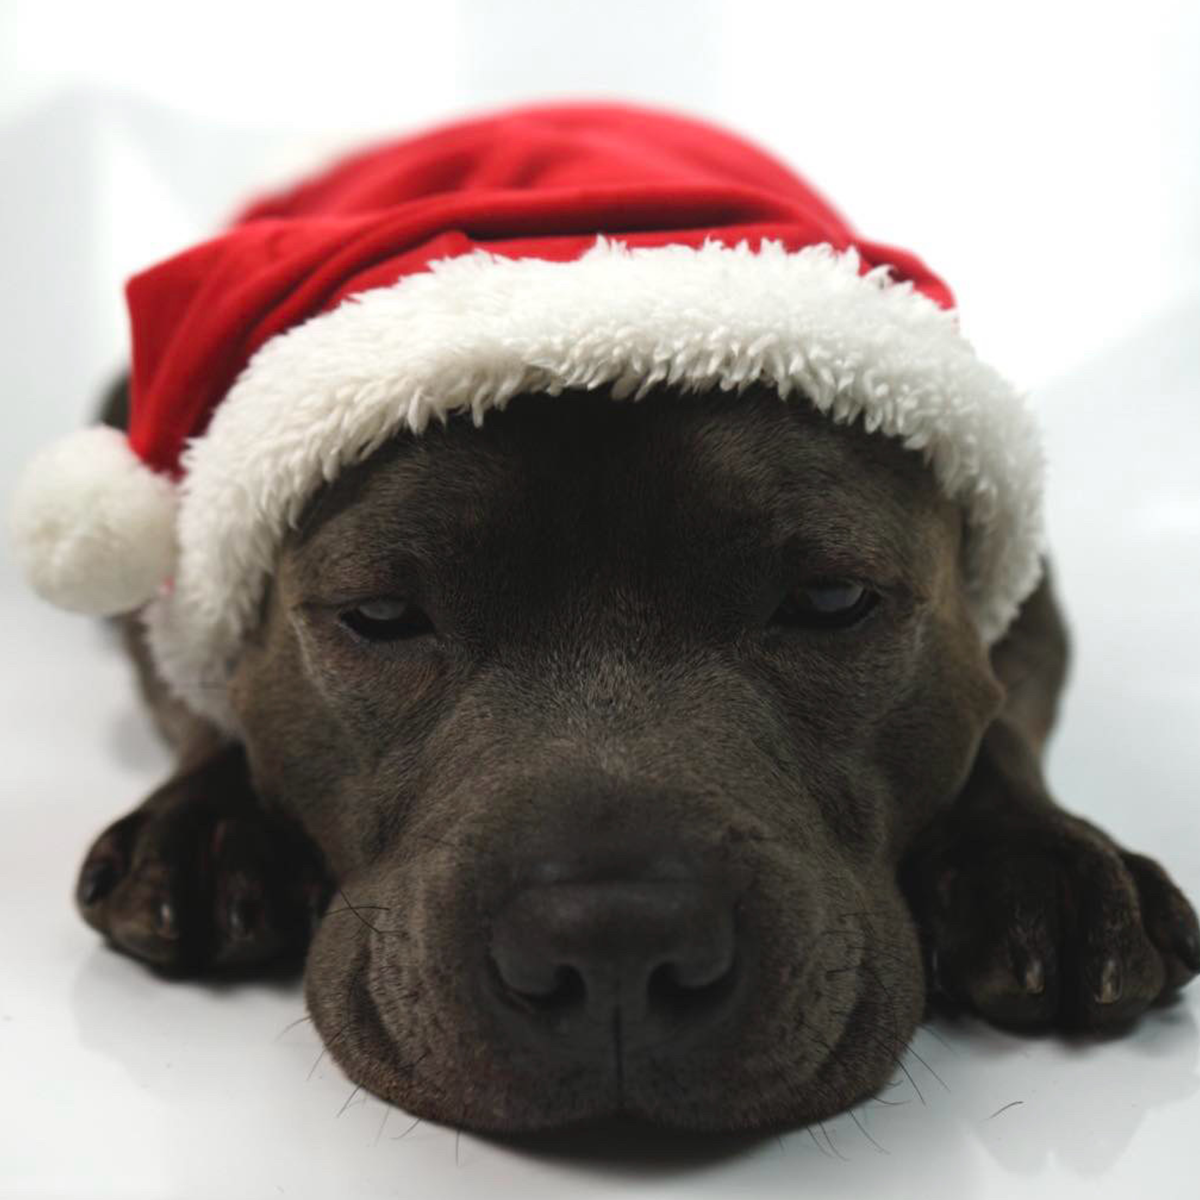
634	758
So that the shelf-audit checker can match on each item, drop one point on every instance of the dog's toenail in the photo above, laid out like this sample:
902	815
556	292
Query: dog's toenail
1187	946
316	905
166	923
935	973
220	833
96	880
241	919
1033	976
1109	989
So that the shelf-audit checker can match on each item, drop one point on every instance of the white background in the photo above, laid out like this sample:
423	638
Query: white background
1044	158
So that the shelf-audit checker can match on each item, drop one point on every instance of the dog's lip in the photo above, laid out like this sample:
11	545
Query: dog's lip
358	1038
373	1056
395	1052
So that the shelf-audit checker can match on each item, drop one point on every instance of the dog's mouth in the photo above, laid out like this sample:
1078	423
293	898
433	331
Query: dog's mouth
762	1045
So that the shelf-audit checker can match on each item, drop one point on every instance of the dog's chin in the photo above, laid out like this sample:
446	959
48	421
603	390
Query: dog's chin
789	1068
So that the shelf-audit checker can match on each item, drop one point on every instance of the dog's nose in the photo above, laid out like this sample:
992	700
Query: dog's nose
642	960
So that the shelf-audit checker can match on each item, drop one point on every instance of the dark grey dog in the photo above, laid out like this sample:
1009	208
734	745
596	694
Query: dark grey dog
667	776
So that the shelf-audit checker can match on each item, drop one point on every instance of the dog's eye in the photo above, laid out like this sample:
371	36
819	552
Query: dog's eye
386	620
826	604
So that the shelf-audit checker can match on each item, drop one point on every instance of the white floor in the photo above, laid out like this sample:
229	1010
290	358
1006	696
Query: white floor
116	1084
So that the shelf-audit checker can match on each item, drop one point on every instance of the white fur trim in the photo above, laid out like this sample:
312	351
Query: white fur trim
476	330
93	526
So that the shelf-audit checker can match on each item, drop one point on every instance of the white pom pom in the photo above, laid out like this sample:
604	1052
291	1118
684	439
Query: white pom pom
94	526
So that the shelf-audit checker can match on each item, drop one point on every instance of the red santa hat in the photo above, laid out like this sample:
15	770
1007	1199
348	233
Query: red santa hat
537	250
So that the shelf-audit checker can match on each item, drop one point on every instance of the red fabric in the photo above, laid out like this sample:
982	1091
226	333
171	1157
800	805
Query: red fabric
532	183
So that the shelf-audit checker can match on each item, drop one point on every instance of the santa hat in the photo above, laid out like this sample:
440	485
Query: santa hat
538	250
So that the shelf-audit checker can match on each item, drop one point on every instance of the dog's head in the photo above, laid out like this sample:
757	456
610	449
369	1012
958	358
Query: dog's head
613	721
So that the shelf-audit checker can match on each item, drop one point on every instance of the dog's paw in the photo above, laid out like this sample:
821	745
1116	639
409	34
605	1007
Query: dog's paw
200	878
1050	923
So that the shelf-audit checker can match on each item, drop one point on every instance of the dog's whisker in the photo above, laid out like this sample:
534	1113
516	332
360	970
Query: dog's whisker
911	1080
313	1069
870	970
330	1041
358	911
809	1130
449	845
832	1147
876	944
916	1054
908	1075
884	955
896	1056
358	1087
876	952
387	1112
1004	1108
401	1136
863	914
894	1048
292	1025
933	1033
409	1067
895	1045
879	951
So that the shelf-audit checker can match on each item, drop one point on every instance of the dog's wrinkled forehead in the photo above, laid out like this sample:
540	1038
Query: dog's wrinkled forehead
661	483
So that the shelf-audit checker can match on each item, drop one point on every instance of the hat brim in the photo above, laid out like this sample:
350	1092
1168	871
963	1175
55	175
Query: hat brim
476	330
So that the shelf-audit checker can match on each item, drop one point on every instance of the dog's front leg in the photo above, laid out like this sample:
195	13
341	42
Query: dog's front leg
200	876
1028	914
